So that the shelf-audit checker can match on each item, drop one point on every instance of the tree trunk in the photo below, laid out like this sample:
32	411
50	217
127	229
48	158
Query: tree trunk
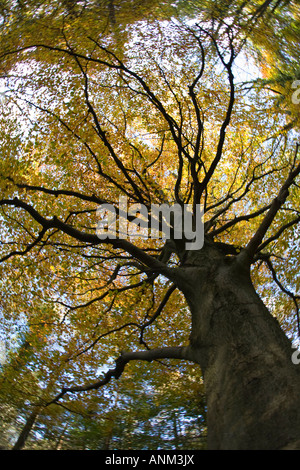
26	429
175	429
252	385
60	440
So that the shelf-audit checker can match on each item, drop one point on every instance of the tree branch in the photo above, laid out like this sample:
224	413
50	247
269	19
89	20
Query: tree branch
158	311
175	352
27	249
239	219
278	233
137	253
217	158
102	134
285	290
256	240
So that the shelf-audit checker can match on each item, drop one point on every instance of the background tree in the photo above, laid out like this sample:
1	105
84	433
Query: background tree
95	107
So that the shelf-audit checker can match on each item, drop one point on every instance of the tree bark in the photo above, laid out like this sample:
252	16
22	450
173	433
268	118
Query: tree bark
252	385
20	443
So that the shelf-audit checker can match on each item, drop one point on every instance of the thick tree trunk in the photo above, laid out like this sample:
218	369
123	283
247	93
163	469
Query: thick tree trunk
252	386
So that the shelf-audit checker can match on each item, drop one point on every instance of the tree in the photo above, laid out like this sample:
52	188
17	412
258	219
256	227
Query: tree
154	111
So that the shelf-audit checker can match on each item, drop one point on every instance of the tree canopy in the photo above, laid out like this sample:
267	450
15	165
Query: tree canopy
184	102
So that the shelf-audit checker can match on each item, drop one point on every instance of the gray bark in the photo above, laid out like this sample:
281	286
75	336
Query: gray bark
252	385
